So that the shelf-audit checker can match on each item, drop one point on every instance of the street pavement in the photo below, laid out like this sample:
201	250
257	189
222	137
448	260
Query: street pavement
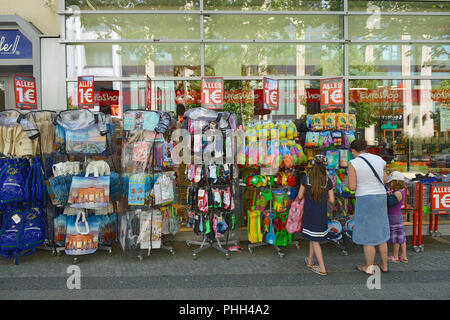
262	275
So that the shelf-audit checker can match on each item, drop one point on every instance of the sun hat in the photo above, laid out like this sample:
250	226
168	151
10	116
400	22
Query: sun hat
396	175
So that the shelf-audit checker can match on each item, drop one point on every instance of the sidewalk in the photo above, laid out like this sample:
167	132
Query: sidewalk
263	275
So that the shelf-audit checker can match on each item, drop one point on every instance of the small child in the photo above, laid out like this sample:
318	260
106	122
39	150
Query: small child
398	236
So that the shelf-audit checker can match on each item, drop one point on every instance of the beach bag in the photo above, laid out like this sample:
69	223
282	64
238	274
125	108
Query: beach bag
82	131
163	189
81	234
295	219
90	192
21	233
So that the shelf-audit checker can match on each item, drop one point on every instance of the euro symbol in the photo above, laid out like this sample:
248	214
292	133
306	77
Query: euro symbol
216	97
88	95
273	97
336	96
445	201
29	96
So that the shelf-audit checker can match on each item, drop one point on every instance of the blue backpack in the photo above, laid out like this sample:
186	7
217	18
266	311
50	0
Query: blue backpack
21	233
13	177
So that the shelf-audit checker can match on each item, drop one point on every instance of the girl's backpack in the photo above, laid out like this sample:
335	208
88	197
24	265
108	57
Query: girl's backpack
295	219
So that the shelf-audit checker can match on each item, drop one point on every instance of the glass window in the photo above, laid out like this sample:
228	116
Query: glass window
399	6
407	120
277	27
399	59
134	60
263	5
260	59
381	27
128	26
134	4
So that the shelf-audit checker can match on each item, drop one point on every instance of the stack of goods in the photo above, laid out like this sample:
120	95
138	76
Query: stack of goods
271	144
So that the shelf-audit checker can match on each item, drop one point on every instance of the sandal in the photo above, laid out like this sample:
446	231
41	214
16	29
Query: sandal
404	260
315	269
363	269
379	266
392	259
307	264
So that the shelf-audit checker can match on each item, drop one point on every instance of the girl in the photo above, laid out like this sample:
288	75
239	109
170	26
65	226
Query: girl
397	229
316	188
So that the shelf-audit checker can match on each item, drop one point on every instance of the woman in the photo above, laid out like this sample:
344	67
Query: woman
317	189
371	228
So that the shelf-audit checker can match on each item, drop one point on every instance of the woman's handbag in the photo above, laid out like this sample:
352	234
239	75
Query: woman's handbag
392	200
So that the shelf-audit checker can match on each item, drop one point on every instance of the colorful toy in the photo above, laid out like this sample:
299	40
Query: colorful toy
330	121
318	122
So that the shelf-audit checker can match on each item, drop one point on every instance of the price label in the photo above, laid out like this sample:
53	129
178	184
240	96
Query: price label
270	94
332	94
25	92
440	197
85	92
212	93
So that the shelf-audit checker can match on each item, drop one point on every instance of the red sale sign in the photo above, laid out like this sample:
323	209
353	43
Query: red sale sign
212	93
270	94
25	92
86	92
440	197
106	97
332	93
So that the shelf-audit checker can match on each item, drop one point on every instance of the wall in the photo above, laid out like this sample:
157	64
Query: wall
41	13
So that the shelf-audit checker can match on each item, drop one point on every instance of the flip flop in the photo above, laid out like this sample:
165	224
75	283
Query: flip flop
307	264
379	266
315	269
392	259
360	268
404	260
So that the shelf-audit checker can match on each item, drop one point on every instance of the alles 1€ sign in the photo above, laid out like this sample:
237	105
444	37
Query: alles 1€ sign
14	45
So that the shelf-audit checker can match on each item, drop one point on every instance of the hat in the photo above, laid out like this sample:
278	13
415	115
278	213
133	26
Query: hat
396	175
320	159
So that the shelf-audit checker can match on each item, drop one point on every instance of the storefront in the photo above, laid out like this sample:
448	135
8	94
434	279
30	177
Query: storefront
393	56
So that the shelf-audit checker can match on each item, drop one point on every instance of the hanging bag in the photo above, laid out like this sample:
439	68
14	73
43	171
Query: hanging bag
83	132
295	219
391	199
81	234
89	192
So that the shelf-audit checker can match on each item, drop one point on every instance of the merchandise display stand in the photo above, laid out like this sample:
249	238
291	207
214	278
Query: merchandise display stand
211	195
209	241
84	137
271	147
23	200
330	134
147	183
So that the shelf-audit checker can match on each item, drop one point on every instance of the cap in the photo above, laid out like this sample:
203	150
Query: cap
396	175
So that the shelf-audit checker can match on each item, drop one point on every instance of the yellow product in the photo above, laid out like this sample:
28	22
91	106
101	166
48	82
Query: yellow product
330	121
318	122
342	122
351	122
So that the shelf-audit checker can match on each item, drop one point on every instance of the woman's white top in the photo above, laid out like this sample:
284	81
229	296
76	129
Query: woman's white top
366	182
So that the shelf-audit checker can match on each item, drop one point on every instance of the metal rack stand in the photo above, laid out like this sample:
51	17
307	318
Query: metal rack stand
215	243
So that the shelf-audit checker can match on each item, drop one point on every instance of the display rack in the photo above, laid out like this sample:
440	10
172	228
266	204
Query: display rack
144	131
84	157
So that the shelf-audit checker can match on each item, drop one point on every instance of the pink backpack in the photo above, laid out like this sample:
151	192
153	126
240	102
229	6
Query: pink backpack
295	219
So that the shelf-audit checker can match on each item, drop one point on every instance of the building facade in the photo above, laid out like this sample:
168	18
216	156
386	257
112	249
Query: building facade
392	55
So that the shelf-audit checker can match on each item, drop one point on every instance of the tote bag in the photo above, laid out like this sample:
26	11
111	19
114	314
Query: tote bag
89	192
81	234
